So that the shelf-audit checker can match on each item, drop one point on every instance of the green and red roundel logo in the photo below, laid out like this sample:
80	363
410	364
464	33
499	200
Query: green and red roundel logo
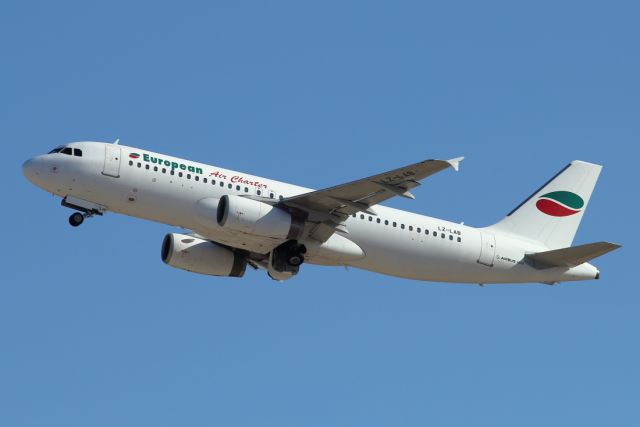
134	155
560	203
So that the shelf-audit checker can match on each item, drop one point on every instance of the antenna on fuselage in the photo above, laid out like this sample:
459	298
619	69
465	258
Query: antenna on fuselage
116	141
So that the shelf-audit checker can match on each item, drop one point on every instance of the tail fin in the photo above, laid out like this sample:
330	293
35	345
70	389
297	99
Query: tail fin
553	213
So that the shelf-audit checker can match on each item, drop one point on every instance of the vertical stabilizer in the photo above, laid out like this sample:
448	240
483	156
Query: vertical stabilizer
553	213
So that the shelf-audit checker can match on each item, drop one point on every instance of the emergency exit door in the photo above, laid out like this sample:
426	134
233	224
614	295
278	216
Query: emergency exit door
111	160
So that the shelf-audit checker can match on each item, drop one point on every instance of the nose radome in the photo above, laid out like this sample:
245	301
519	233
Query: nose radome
28	169
32	170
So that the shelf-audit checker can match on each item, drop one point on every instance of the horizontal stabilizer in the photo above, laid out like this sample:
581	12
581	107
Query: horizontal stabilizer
570	257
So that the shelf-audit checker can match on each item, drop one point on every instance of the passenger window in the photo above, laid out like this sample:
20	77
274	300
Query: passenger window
395	224
450	237
155	169
204	180
146	167
164	170
435	234
213	182
130	162
139	164
67	150
378	220
411	228
354	215
442	235
426	232
370	218
418	230
188	176
221	184
459	240
361	216
246	190
77	152
197	178
180	174
259	192
271	195
230	186
386	222
402	226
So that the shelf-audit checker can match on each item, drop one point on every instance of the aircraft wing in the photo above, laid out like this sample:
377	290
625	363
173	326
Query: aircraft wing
337	203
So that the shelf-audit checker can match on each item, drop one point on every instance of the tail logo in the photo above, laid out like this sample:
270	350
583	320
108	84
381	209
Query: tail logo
560	203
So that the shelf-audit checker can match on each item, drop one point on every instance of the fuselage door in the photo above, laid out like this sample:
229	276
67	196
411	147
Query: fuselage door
112	160
487	249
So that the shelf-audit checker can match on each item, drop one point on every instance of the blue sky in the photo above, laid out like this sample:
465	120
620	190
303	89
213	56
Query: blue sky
96	331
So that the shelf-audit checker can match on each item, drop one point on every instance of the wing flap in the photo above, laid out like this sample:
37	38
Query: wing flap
570	257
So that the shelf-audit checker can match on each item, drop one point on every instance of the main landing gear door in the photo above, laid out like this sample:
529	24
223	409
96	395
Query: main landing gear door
487	249
111	160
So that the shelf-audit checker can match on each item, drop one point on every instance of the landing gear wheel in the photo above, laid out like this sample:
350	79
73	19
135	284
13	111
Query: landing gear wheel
287	258
296	260
76	219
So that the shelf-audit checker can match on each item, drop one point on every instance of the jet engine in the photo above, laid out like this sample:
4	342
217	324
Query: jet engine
201	256
253	217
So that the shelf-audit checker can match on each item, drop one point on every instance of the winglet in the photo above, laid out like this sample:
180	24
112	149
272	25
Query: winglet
455	163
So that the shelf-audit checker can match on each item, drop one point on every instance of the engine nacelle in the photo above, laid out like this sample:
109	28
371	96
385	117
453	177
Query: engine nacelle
253	217
201	256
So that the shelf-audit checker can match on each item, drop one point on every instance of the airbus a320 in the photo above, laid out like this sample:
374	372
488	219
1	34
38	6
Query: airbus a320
233	220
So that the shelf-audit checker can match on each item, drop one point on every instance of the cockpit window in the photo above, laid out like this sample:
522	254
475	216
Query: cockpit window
56	150
77	152
67	150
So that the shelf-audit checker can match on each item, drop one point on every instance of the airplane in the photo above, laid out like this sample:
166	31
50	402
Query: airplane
234	220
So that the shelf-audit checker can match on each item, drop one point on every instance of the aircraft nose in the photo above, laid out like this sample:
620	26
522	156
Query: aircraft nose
31	170
28	169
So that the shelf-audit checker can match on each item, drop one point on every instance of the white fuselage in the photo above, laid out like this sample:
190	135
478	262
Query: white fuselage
170	190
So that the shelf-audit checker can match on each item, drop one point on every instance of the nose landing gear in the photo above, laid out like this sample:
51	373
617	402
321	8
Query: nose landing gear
76	219
87	209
